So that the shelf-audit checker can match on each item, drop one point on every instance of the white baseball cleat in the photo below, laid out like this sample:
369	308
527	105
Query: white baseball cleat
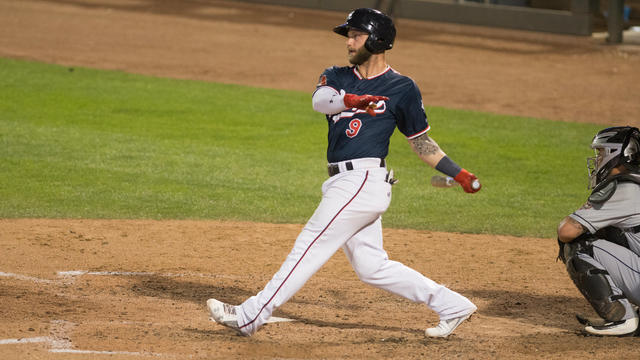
446	327
223	314
615	328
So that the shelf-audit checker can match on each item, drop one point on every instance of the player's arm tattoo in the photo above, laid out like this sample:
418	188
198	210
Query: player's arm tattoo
424	145
570	229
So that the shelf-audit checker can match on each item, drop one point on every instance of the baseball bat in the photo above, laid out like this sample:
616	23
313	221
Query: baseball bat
443	181
448	181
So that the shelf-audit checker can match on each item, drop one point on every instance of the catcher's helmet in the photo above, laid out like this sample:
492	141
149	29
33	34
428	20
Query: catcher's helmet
613	146
380	27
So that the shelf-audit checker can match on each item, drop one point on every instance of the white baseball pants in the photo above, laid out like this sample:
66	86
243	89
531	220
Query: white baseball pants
349	216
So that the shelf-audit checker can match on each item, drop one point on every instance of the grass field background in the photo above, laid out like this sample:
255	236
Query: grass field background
83	143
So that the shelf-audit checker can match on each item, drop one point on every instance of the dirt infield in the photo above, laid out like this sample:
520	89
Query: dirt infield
131	289
137	288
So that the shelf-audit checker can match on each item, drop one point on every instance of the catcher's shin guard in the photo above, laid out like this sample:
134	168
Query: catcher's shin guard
594	285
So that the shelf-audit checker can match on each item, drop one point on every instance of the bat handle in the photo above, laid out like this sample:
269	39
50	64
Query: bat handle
443	181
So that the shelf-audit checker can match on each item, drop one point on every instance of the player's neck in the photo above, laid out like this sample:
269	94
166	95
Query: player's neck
375	65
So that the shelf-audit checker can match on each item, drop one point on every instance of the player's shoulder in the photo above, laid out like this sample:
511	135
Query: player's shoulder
339	70
395	74
401	82
628	190
397	77
336	76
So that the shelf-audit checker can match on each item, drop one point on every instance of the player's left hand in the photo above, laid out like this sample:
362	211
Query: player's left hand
468	181
369	103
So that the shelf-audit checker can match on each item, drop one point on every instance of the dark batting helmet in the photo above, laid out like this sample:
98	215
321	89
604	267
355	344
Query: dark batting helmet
614	146
380	27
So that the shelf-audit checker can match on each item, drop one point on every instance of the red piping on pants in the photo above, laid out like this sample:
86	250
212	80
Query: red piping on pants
305	252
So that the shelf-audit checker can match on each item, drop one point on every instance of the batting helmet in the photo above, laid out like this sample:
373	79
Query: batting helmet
380	27
613	146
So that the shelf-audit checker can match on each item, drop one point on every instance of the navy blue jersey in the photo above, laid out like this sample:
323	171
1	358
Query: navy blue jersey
354	133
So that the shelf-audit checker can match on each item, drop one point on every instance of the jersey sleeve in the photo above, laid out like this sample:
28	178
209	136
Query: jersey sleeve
411	117
330	77
613	212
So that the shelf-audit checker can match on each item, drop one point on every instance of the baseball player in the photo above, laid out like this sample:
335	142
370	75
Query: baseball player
600	242
358	190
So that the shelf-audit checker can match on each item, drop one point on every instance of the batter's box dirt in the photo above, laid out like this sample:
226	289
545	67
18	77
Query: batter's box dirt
129	300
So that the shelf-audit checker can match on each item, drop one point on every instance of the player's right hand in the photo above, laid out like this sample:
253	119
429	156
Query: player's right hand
468	181
363	102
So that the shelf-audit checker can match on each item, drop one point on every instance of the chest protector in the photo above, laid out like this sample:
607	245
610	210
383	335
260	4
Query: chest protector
605	189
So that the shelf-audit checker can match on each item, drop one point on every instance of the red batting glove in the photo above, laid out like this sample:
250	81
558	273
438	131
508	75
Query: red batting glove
363	102
468	181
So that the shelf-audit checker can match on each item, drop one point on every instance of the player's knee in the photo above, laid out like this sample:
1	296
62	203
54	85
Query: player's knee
367	270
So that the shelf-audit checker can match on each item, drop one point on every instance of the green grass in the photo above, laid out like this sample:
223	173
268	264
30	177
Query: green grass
82	143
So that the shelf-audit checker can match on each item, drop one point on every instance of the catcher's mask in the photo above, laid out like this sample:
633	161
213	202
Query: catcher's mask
613	146
379	26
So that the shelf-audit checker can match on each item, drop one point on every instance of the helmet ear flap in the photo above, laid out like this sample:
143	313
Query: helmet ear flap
632	149
372	44
376	45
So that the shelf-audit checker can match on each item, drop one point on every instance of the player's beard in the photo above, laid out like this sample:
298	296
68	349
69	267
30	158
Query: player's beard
360	56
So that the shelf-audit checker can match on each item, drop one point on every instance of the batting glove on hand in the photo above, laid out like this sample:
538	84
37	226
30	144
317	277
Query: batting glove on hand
468	181
363	102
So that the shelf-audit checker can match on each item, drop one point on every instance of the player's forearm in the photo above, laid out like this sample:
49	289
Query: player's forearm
427	149
328	100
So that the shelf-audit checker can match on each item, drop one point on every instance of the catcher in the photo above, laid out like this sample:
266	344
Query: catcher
600	242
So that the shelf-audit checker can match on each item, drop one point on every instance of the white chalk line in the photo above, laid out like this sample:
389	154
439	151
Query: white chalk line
71	274
25	340
61	346
104	273
275	319
25	277
58	346
74	351
59	343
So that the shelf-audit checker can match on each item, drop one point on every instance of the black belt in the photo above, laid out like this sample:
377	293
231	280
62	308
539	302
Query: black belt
334	169
635	229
